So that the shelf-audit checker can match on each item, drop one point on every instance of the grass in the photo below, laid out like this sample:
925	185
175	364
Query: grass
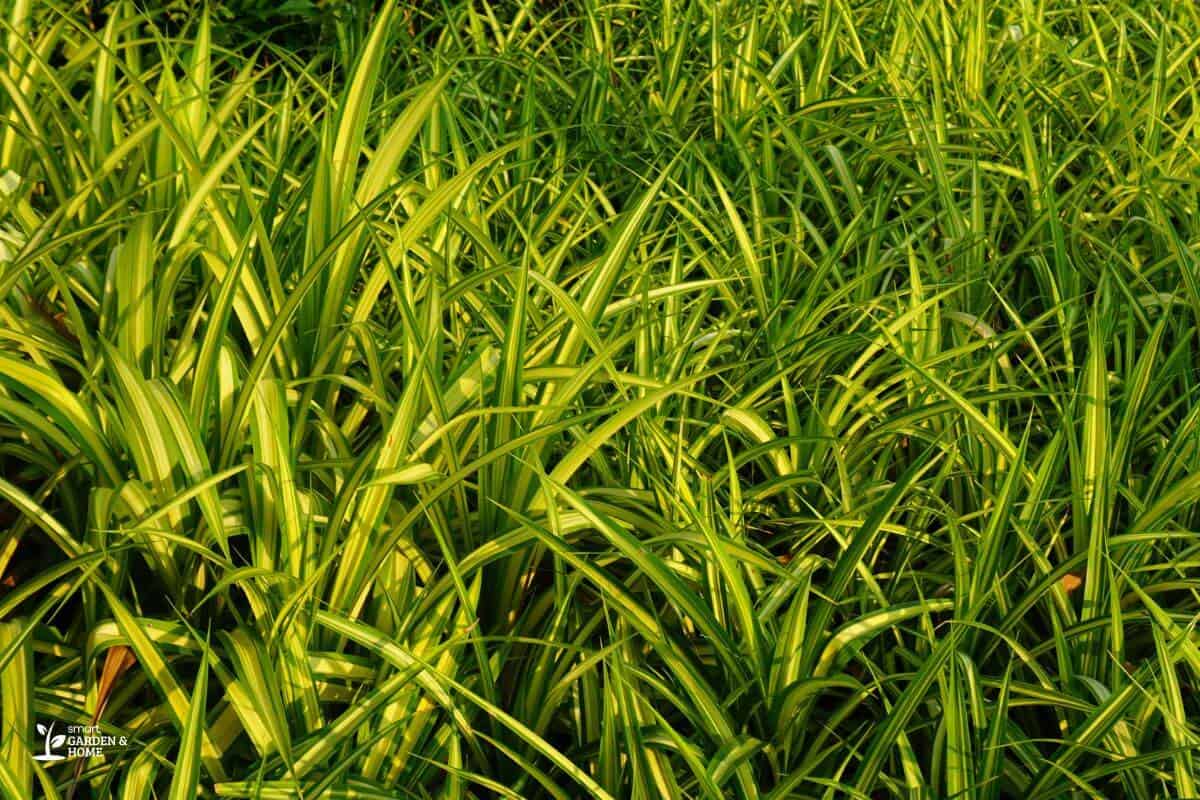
583	399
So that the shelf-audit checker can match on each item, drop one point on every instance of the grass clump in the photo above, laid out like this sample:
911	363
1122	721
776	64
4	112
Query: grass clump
631	400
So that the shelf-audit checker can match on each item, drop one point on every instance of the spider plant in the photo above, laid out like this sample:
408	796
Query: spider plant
650	399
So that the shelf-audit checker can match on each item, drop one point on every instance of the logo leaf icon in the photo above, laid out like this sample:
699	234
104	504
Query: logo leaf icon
41	728
57	740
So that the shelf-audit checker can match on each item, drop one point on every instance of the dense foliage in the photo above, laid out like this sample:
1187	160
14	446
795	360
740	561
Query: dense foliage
630	399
